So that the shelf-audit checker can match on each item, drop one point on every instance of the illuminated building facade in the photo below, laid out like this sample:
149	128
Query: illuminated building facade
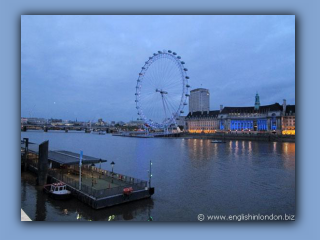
263	118
288	120
269	118
202	122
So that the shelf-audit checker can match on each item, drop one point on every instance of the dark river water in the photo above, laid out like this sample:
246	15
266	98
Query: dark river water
190	177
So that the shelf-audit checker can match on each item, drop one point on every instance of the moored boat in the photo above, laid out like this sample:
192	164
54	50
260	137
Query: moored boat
57	191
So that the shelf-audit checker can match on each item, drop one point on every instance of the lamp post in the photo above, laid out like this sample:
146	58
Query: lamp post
150	174
100	169
112	165
80	165
92	165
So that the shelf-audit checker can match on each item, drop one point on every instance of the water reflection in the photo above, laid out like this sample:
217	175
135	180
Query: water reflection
200	151
41	211
288	152
277	154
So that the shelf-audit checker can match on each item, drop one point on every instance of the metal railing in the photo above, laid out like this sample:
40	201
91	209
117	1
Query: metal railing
98	193
122	181
117	177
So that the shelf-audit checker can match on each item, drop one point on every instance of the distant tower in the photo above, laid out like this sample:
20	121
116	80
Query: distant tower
284	106
199	100
257	102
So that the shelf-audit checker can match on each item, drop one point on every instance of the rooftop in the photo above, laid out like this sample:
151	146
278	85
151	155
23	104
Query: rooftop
290	109
204	114
199	89
64	157
266	108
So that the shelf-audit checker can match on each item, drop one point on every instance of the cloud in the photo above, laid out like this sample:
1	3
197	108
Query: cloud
89	65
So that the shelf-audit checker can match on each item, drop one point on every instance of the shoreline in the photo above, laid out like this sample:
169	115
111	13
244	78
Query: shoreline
246	137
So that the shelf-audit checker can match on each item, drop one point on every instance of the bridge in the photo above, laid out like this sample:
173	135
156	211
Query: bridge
144	134
66	128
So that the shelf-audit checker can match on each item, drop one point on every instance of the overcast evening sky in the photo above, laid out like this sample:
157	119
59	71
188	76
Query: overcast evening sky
86	67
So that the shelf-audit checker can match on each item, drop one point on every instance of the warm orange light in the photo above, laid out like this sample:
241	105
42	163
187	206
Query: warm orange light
289	132
201	131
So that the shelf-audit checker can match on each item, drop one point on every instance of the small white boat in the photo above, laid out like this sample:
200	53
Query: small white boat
57	191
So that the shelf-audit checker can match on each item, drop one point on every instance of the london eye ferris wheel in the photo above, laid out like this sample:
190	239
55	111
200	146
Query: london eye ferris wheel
162	90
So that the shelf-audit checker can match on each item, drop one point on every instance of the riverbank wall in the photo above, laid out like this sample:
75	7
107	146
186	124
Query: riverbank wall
240	136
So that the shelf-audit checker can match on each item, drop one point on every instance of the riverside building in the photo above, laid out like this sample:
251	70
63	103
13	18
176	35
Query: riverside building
288	119
274	118
199	100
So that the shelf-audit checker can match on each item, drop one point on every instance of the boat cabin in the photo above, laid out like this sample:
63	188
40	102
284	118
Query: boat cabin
58	188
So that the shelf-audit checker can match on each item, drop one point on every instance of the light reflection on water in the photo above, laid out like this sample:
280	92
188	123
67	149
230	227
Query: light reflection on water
190	176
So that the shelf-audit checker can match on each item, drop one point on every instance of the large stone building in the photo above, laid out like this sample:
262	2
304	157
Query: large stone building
288	119
202	122
274	118
199	100
264	118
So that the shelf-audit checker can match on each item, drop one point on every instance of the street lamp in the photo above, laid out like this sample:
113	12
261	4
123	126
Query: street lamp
100	168
112	165
150	175
92	165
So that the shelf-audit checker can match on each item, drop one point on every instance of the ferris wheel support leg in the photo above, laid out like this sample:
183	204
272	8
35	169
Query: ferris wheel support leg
164	107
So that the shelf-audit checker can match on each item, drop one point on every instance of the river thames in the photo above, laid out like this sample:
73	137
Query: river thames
190	176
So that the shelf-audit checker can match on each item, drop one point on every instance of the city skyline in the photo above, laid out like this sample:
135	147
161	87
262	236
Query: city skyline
86	67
